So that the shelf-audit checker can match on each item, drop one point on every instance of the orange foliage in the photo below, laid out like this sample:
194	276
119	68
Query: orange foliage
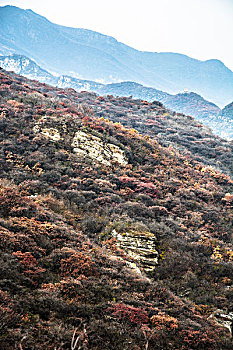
163	321
78	264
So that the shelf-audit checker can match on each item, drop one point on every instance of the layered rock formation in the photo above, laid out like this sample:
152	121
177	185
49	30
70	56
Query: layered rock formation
140	246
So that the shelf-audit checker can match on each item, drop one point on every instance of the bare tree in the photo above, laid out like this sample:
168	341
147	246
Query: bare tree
78	341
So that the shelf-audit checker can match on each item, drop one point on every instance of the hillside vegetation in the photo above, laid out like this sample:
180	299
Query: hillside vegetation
188	103
110	239
182	132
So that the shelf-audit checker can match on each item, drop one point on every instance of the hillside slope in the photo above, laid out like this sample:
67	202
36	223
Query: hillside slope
90	55
108	239
172	129
187	103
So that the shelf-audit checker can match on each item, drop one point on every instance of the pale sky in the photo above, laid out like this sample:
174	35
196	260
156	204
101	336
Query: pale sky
202	29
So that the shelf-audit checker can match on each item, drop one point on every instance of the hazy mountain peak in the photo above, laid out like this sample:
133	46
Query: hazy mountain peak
89	55
214	61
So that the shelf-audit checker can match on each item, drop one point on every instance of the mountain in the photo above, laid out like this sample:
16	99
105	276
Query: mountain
109	239
86	54
192	104
187	103
129	88
27	67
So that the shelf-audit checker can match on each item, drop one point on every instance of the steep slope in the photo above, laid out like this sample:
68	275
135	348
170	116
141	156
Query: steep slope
93	56
107	238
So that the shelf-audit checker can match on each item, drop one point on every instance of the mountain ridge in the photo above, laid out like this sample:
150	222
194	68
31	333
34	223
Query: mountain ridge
187	103
100	58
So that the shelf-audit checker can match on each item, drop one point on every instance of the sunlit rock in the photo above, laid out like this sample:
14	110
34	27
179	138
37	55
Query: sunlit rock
140	246
51	133
223	319
88	145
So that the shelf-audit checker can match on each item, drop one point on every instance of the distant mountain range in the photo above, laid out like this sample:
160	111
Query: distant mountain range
191	103
86	54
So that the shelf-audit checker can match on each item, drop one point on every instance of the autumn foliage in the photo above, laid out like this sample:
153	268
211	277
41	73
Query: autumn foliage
63	274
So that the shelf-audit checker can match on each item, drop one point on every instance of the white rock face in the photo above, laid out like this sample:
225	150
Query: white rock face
88	145
222	319
134	267
140	246
51	133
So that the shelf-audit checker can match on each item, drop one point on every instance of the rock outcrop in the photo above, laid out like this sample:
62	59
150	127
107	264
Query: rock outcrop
223	319
140	246
51	133
88	145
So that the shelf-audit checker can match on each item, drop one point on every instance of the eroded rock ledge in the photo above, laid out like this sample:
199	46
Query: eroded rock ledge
140	246
88	145
84	144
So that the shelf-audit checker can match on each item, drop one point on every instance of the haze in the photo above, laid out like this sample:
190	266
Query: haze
202	29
